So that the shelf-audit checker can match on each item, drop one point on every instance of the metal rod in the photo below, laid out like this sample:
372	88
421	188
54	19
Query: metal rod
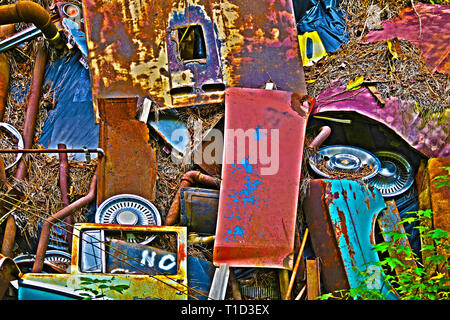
300	293
323	134
64	188
28	134
62	214
97	150
297	263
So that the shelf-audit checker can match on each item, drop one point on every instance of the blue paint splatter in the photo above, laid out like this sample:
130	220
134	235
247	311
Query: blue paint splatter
259	134
238	231
247	166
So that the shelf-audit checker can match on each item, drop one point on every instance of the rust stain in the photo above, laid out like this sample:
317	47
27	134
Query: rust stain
124	141
367	202
133	49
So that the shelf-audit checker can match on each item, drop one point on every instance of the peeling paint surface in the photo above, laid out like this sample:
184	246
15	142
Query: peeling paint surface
257	211
133	49
141	286
353	220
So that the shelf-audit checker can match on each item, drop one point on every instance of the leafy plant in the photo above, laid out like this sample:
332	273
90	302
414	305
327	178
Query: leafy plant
444	180
98	287
426	280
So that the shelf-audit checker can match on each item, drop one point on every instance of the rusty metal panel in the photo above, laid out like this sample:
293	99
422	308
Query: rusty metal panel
199	209
323	241
389	221
260	43
124	141
352	209
144	285
312	278
136	48
440	195
263	149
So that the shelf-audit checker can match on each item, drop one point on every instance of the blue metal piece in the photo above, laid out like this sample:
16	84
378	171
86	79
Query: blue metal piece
135	257
36	290
199	209
72	120
172	130
200	275
78	36
353	210
325	17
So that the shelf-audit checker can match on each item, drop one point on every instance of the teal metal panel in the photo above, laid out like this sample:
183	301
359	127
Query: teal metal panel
353	210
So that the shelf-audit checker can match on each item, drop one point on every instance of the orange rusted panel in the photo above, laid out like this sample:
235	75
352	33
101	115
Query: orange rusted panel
129	165
440	192
138	48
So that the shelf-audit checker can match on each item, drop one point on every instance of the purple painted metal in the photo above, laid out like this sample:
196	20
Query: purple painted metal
258	196
430	33
431	139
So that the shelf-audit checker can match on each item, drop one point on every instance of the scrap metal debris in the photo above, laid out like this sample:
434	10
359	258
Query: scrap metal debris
164	92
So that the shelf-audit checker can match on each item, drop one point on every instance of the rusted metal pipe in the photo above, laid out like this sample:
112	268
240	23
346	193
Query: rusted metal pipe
323	134
32	12
4	83
97	150
59	216
190	178
5	31
28	135
64	188
33	105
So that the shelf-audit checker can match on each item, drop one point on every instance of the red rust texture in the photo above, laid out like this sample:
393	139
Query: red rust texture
28	135
190	178
129	165
130	45
440	197
64	188
323	240
389	220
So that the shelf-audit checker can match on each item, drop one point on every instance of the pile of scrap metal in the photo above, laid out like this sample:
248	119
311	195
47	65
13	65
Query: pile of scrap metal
244	201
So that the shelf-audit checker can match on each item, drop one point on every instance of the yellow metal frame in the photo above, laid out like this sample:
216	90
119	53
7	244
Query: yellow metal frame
164	287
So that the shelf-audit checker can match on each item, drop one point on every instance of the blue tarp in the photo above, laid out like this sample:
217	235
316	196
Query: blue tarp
72	121
325	17
200	276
